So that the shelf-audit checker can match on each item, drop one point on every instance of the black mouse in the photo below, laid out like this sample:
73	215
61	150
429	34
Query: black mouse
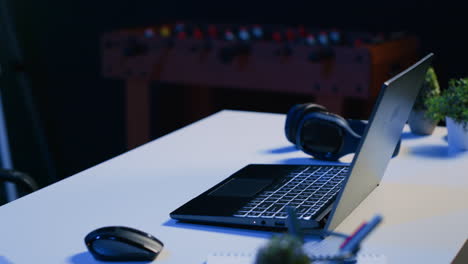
120	243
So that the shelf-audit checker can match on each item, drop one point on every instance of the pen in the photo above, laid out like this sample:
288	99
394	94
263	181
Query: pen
352	235
352	244
294	227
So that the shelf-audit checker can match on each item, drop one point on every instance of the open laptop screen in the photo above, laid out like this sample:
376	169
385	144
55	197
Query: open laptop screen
386	123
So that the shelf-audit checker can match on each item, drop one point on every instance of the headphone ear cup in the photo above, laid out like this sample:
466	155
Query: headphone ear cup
294	116
290	120
353	126
335	116
320	134
325	135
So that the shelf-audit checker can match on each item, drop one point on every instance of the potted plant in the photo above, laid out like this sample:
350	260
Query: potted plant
282	249
418	121
452	105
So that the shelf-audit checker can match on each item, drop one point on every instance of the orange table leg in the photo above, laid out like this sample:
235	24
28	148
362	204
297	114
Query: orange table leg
138	112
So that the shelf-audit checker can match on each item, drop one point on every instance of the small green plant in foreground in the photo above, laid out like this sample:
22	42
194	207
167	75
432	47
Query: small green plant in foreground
282	249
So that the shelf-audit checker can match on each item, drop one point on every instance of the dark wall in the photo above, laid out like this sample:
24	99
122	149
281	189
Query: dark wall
83	114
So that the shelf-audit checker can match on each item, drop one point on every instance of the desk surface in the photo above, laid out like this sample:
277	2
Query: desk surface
423	196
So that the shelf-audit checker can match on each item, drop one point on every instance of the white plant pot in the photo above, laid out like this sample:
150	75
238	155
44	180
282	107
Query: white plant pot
420	124
457	134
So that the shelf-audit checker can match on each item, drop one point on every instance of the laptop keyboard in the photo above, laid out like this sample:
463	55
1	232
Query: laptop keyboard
310	190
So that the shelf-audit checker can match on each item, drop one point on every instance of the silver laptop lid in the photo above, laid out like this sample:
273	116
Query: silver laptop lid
389	115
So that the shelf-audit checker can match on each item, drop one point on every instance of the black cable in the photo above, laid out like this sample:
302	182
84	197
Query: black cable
14	50
20	178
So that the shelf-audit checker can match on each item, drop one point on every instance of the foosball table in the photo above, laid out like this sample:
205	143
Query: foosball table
330	66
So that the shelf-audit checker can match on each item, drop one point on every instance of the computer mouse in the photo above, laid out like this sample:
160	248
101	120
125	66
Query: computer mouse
120	243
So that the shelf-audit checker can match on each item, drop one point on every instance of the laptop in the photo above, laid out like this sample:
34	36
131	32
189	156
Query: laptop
323	195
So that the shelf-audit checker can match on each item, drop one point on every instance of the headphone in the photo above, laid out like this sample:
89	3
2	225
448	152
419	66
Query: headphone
322	134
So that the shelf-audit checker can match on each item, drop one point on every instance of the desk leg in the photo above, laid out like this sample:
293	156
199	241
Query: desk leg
138	112
199	100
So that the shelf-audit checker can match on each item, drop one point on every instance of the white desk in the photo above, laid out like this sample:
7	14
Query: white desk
423	196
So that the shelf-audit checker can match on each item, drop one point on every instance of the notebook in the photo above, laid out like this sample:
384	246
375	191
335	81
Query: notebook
249	258
325	251
257	195
326	248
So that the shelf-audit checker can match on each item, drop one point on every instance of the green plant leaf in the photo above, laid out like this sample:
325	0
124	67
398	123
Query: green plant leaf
282	249
429	89
453	102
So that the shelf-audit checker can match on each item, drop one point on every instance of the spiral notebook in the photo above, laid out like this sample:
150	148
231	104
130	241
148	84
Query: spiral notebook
249	258
326	247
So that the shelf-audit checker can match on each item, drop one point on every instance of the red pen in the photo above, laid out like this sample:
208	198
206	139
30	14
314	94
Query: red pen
352	235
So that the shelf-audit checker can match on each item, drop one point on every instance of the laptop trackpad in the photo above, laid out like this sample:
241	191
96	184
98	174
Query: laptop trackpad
239	187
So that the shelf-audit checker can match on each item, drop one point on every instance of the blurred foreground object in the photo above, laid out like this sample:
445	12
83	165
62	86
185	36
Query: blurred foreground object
282	249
